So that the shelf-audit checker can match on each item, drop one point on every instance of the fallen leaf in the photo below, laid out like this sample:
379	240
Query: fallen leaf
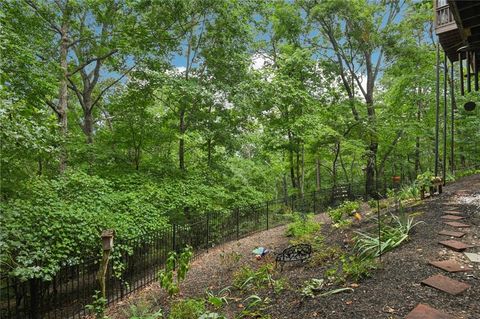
349	302
388	309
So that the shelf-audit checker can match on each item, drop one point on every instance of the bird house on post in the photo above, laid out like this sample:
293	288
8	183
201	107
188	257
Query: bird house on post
107	239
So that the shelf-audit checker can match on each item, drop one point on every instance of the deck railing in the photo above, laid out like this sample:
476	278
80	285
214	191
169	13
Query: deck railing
444	20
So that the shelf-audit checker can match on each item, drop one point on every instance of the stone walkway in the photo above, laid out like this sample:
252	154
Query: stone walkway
456	226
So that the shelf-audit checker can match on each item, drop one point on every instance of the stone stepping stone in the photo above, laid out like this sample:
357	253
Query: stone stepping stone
453	212
455	234
473	257
457	224
452	217
455	245
449	265
422	311
445	284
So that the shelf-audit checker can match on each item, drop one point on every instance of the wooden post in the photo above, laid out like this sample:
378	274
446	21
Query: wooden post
107	243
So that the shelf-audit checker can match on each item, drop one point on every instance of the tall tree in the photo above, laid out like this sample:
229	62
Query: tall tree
355	35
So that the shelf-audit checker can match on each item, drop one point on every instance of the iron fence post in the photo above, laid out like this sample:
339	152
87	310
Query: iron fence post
208	230
267	215
34	293
174	237
238	223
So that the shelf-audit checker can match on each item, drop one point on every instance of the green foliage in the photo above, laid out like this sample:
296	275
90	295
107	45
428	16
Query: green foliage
246	277
467	172
187	309
324	254
180	262
302	225
219	299
98	306
60	221
254	307
212	315
392	236
312	286
424	180
355	268
346	208
143	311
409	192
191	115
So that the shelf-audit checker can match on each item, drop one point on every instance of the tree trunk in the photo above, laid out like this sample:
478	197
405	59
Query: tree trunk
181	143
88	124
290	157
417	139
297	167
318	174
63	94
371	186
334	165
302	170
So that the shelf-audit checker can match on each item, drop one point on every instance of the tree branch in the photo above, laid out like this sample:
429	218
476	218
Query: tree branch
112	84
53	107
35	8
83	65
75	89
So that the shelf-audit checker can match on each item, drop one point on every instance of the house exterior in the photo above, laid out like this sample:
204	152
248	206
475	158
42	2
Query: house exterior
457	25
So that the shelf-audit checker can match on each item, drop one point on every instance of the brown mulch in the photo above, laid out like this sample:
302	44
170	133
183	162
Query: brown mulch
392	292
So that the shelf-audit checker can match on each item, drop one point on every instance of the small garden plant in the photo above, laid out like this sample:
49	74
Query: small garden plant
167	278
302	225
347	208
391	236
187	309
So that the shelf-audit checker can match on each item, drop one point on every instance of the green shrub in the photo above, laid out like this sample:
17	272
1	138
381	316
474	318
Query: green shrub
346	208
187	309
303	224
356	268
409	191
143	311
424	180
392	236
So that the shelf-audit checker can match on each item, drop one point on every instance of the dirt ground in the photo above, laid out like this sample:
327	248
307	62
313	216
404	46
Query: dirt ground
392	292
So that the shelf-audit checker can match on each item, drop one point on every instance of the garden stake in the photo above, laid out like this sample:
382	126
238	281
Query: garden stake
379	230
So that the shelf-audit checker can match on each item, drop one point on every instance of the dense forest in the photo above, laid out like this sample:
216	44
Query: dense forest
133	114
